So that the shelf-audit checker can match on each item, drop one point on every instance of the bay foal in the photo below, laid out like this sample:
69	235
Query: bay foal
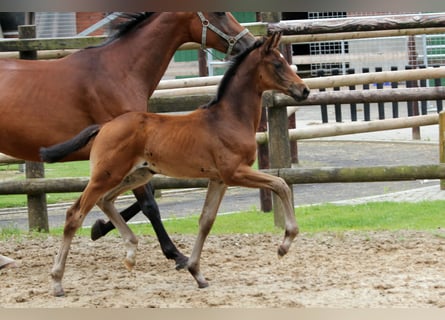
45	102
216	141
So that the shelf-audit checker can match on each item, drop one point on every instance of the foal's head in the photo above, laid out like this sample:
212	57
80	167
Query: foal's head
274	73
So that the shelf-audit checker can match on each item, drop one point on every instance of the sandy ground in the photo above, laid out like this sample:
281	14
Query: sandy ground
366	269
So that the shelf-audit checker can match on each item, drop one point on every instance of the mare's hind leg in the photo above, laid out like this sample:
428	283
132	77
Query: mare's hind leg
215	193
245	176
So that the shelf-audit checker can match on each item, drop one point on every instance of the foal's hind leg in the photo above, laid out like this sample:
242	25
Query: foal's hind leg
74	218
215	193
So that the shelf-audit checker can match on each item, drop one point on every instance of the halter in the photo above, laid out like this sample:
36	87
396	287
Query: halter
231	40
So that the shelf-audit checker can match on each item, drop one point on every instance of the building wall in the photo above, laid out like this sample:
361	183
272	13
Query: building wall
85	20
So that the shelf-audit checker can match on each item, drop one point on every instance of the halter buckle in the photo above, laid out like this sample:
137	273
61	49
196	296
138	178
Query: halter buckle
230	39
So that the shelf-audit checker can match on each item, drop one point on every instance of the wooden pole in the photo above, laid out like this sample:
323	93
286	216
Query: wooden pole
279	146
209	85
263	157
338	129
290	175
412	58
263	149
442	144
37	210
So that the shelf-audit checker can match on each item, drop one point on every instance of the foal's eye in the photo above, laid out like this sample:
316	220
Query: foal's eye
278	65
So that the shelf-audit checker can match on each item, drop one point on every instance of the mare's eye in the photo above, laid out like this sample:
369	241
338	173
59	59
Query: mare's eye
220	14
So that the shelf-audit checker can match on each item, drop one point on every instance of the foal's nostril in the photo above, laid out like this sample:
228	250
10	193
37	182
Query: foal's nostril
306	92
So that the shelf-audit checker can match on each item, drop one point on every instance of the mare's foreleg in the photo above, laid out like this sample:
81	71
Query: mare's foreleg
215	193
245	176
145	197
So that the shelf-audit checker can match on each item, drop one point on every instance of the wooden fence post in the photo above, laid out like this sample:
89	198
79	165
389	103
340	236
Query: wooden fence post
279	151
442	144
263	149
37	210
279	143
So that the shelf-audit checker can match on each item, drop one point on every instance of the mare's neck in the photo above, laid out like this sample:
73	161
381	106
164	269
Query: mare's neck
145	54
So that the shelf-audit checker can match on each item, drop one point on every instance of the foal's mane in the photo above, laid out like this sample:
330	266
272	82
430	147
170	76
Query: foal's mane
235	62
130	23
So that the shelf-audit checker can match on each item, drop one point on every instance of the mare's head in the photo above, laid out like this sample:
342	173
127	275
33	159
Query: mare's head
218	30
274	72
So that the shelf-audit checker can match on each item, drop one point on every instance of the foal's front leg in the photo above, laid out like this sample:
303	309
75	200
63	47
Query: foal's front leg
130	240
245	176
146	202
215	193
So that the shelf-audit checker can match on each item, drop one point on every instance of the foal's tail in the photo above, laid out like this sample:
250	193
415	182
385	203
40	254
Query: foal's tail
59	151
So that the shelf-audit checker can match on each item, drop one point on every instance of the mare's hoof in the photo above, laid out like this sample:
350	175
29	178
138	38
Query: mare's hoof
202	285
96	229
181	262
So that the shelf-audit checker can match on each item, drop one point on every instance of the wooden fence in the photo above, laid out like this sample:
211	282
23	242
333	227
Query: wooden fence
190	93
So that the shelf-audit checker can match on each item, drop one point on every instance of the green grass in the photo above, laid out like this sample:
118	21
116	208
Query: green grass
53	170
376	216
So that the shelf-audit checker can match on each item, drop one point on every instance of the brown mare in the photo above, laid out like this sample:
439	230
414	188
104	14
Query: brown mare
217	141
45	102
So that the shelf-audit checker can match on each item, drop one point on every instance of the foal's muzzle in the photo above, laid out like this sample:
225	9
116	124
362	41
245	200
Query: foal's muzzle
299	91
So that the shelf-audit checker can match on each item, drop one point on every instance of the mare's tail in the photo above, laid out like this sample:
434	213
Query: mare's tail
59	151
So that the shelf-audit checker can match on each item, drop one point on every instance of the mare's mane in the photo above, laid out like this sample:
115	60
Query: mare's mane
235	62
130	23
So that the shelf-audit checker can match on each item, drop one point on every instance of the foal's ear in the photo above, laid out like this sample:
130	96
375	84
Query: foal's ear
272	42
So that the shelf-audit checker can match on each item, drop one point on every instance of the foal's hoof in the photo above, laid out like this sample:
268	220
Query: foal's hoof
58	291
97	229
282	250
129	264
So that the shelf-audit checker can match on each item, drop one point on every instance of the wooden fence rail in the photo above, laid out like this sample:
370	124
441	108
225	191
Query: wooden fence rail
314	83
332	130
290	175
190	102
